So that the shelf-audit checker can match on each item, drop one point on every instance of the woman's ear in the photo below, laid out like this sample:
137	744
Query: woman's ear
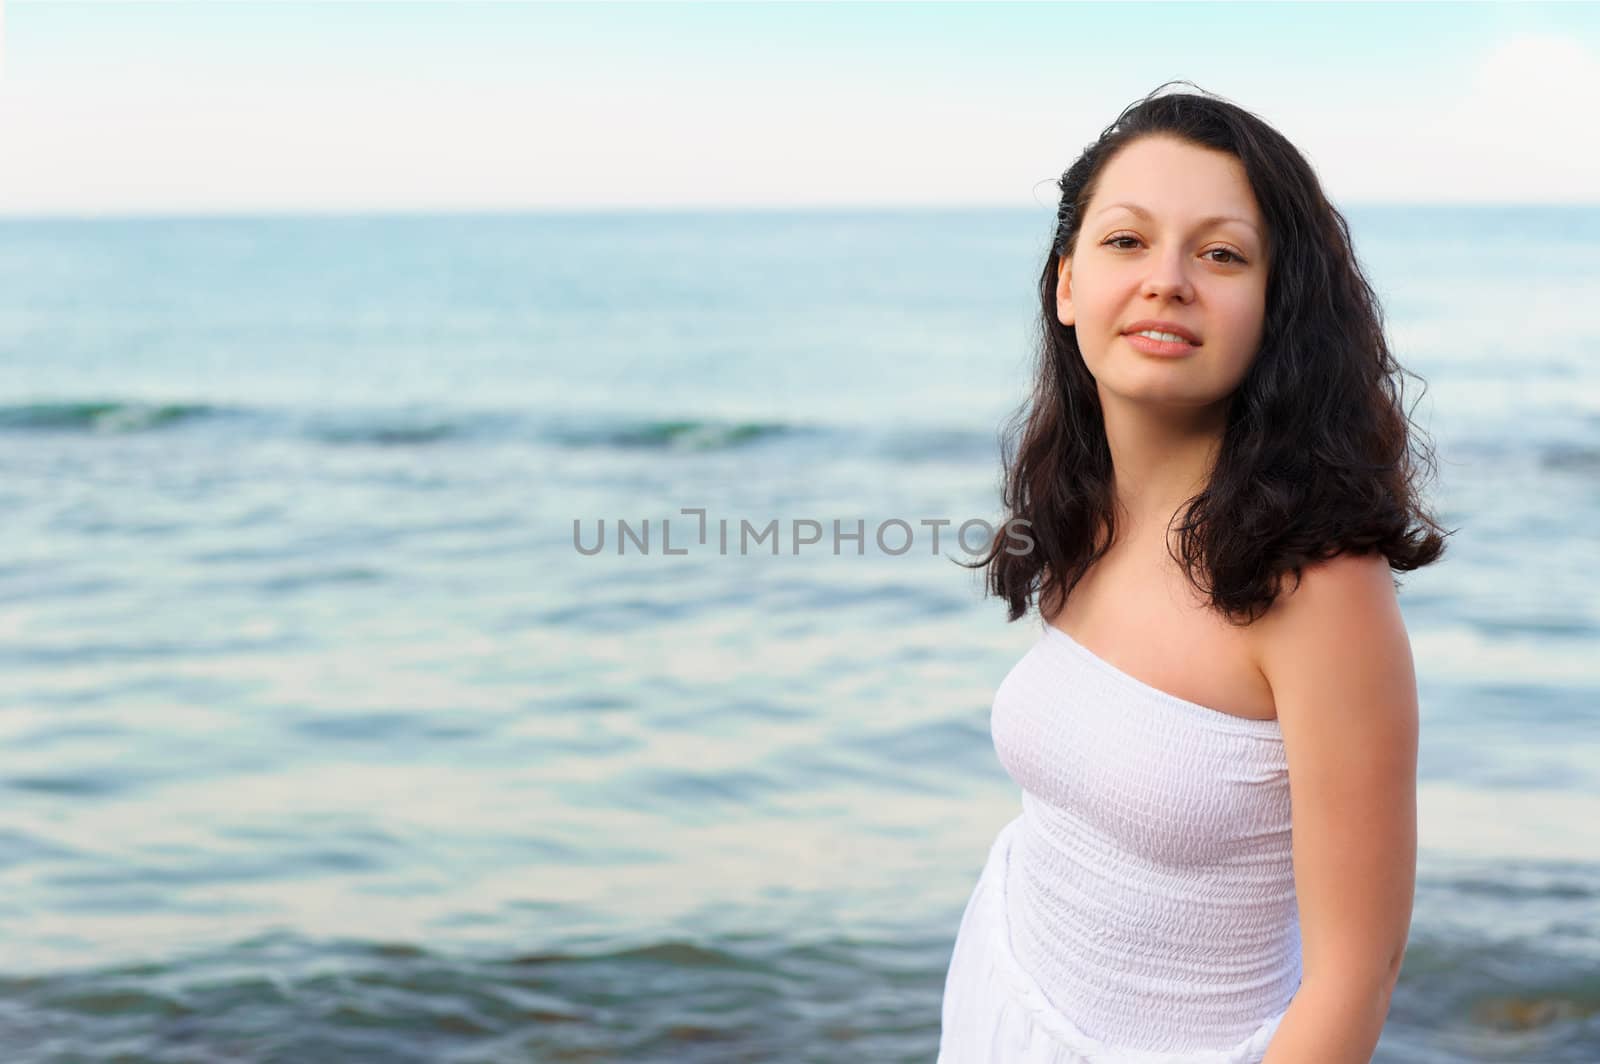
1064	291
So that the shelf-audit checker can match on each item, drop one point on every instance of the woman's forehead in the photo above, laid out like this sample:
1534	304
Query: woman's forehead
1161	178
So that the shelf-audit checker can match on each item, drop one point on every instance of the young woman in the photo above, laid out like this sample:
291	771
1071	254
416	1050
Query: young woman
1216	852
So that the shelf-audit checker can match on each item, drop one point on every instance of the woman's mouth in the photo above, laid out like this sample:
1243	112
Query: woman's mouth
1168	345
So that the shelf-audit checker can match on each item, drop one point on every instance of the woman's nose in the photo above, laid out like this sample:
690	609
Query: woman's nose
1168	276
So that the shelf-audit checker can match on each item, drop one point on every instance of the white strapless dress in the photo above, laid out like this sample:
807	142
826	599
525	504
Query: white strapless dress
1141	909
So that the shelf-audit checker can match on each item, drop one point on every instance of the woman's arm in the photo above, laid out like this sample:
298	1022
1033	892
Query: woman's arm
1339	662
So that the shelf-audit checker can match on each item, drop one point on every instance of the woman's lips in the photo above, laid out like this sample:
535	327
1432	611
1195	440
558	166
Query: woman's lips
1161	348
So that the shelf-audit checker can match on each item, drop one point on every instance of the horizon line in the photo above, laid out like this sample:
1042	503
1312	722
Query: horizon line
242	213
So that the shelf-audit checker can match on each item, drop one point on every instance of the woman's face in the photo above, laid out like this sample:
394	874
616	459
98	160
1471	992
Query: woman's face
1172	233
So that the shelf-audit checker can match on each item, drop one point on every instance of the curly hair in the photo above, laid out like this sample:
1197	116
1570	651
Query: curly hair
1317	457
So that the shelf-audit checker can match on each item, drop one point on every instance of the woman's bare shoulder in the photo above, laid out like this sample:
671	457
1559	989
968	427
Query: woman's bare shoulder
1342	608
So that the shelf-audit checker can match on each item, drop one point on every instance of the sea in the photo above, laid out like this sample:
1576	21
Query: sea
521	637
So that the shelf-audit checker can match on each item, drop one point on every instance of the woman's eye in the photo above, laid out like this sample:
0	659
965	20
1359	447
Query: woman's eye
1233	256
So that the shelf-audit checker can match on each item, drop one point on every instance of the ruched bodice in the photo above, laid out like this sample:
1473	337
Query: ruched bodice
1145	895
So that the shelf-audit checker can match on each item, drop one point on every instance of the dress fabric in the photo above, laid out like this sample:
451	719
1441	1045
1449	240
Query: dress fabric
1141	908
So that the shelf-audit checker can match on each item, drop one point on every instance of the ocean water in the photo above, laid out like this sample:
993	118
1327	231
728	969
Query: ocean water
321	740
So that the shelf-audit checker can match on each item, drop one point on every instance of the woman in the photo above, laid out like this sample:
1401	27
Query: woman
1216	852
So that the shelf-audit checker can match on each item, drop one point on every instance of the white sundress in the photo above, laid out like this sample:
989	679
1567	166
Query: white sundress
1141	908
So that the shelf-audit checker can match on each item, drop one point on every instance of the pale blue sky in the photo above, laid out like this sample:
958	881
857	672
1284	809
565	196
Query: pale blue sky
383	106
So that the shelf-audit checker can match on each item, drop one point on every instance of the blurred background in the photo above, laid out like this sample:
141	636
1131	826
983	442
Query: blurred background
321	326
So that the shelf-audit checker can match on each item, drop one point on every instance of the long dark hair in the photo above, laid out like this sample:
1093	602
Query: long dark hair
1318	456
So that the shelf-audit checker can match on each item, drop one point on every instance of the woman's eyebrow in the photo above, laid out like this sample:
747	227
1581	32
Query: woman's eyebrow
1214	219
